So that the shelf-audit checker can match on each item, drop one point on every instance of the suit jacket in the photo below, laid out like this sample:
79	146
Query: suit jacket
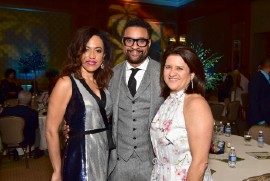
30	117
151	75
259	99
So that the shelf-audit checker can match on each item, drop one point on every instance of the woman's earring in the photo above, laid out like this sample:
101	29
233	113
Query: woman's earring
191	83
102	66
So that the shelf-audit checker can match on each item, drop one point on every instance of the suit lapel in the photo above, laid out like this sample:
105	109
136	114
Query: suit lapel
145	82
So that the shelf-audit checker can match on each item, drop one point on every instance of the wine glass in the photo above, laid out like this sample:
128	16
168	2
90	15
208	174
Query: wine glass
247	138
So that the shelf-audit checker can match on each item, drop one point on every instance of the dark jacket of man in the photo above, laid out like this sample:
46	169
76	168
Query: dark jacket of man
259	100
31	121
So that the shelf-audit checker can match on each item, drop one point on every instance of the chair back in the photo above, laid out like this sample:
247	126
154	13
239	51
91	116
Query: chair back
254	131
233	111
217	110
11	130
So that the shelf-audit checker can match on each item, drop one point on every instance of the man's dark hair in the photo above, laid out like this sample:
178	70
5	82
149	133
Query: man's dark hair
138	23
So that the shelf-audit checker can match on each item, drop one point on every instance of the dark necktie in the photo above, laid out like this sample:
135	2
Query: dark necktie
132	81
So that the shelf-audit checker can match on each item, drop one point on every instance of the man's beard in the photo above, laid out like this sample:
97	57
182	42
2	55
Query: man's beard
138	60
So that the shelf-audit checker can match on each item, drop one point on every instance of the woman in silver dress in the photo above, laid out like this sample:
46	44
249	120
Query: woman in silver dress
82	84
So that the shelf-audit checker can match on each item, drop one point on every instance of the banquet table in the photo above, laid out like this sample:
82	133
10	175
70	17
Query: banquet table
244	169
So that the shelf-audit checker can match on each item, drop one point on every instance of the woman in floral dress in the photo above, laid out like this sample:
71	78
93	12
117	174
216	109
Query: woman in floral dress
182	128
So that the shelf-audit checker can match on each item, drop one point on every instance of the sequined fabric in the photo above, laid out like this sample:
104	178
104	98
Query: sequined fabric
85	157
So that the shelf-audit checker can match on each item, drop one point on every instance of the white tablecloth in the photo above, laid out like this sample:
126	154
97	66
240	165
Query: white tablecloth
42	127
245	168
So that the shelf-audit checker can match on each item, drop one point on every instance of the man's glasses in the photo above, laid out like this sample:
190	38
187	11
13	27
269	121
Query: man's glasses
141	42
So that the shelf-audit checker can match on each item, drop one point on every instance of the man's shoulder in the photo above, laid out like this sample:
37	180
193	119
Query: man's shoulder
25	109
118	66
154	63
257	76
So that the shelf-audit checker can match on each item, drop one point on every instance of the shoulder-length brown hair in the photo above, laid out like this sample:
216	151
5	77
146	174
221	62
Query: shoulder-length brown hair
77	48
193	62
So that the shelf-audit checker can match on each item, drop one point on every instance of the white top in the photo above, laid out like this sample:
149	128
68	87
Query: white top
170	142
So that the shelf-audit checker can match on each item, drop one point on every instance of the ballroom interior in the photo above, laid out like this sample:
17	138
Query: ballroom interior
239	31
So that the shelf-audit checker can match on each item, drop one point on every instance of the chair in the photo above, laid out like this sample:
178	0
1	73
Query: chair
11	132
232	116
233	112
11	102
217	111
254	130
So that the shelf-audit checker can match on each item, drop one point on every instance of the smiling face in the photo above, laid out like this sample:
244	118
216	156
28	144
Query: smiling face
135	54
177	74
93	56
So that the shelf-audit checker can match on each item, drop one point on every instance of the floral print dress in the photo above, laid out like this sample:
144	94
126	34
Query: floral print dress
170	142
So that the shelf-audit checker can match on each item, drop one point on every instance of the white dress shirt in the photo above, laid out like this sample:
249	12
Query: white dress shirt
139	74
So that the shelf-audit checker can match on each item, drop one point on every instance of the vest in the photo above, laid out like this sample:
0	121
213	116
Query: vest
134	136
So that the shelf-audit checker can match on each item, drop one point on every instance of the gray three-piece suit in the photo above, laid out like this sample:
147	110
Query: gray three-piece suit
131	120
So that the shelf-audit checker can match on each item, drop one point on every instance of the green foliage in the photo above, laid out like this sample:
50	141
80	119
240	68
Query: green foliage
32	61
209	59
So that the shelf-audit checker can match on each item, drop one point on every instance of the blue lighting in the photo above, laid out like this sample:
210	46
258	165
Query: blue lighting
173	3
22	9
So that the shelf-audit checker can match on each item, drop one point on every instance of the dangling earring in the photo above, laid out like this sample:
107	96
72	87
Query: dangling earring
191	83
102	66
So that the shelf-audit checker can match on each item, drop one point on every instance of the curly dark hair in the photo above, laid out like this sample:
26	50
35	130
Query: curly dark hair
193	62
10	71
77	48
138	23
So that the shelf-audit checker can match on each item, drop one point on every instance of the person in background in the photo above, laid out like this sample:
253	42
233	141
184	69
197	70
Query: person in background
30	117
182	129
242	83
43	99
9	86
52	77
134	109
224	89
87	69
259	95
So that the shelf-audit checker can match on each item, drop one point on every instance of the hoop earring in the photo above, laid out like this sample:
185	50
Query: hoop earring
102	66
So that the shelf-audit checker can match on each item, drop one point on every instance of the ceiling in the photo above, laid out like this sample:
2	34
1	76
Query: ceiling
173	3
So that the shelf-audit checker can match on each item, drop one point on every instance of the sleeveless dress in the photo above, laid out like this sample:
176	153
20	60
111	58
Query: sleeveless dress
85	156
170	142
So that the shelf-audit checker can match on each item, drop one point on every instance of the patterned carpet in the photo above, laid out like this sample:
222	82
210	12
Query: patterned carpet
39	169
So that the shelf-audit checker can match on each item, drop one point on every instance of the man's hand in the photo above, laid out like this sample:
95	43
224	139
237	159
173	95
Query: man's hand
66	131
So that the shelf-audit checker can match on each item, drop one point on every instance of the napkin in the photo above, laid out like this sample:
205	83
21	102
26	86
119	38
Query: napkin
264	177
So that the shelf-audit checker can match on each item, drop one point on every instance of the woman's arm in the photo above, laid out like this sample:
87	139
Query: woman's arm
59	99
199	124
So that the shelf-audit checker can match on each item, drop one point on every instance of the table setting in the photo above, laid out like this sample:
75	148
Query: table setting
252	162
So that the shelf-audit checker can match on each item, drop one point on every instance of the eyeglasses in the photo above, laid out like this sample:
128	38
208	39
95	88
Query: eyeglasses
141	42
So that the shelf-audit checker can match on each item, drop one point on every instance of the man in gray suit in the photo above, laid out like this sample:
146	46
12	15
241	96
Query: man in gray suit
134	108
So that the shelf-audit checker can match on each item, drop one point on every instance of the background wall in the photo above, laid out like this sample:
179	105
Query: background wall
217	24
24	29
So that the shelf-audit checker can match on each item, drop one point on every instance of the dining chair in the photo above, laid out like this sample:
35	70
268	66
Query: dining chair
232	115
11	132
217	111
233	112
254	130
